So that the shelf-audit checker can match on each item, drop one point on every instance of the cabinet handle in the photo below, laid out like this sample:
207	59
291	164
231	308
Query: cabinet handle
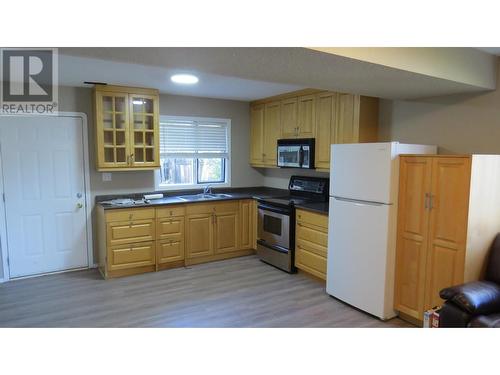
128	159
426	201
132	159
431	201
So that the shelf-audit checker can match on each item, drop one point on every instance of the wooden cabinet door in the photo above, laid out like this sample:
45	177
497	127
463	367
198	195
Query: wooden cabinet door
347	129
256	134
306	114
246	224
412	237
112	130
289	126
272	132
199	235
227	232
325	128
448	225
144	131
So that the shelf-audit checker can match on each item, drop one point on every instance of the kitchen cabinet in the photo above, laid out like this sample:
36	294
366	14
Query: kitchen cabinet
199	235
442	236
214	231
147	239
126	128
227	232
126	241
170	223
311	242
257	135
326	123
272	132
289	125
328	117
264	134
306	113
247	224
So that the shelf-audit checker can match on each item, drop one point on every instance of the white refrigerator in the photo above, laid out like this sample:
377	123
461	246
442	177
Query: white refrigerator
362	223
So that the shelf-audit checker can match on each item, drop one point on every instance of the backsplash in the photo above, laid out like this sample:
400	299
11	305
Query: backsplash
279	177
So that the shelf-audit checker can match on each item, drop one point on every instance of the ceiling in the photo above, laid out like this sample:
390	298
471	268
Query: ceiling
73	71
253	73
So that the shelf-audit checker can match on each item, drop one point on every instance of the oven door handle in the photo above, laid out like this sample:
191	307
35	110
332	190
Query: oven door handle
265	207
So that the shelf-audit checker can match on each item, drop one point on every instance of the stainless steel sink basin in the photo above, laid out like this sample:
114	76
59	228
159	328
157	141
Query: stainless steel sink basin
202	197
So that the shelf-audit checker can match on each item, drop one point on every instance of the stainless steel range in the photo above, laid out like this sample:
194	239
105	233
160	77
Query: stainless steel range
276	220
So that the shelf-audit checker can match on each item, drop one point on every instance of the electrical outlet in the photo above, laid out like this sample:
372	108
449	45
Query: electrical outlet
106	176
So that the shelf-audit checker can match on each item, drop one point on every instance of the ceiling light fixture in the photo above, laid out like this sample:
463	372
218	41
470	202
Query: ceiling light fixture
184	79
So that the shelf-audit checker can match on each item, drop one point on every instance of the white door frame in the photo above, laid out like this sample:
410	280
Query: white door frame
88	203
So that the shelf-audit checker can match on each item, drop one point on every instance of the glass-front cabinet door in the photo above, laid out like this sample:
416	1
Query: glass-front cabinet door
144	134
112	129
126	128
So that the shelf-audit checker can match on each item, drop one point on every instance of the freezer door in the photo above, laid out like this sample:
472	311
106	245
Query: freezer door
360	259
363	171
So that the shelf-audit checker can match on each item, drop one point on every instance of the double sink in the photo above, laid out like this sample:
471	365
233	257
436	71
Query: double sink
202	197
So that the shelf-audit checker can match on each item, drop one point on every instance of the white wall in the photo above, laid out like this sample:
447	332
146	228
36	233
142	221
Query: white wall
460	124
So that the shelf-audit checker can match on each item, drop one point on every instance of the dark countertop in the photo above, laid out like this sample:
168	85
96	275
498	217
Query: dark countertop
170	197
319	207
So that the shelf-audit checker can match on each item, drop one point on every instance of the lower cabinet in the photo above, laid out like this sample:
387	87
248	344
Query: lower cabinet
170	223
311	247
138	240
199	235
214	231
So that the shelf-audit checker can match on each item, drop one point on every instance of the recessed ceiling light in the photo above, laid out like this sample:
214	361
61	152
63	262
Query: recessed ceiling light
184	79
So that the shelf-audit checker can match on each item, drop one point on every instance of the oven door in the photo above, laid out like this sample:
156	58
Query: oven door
273	226
289	156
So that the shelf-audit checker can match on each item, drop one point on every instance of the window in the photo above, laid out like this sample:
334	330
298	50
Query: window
193	151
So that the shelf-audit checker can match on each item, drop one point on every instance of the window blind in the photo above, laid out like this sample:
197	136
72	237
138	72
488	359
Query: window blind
193	138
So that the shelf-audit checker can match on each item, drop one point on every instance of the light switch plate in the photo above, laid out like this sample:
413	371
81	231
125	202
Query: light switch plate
106	176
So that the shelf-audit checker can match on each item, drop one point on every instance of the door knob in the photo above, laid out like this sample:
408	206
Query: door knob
79	205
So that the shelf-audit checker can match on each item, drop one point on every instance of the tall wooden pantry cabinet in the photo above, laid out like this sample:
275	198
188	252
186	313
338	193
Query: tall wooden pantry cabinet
448	215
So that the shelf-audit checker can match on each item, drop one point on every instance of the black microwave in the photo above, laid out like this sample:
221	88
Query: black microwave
296	153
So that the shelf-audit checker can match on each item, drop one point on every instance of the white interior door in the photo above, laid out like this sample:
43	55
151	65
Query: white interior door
44	186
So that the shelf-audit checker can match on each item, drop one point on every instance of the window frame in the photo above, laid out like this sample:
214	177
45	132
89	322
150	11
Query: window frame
227	163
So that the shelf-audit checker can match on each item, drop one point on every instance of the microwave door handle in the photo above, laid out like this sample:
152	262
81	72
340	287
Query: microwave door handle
301	156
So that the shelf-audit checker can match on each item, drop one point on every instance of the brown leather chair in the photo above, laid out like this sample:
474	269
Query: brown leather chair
475	304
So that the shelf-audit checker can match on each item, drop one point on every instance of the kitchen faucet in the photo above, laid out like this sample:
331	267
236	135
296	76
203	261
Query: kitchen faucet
207	189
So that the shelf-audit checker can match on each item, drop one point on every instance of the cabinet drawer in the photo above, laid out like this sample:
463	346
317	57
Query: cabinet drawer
217	207
169	227
132	255
313	218
170	251
316	235
310	262
133	214
130	232
170	211
312	247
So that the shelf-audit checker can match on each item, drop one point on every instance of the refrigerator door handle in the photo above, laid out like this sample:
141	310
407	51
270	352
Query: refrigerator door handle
360	202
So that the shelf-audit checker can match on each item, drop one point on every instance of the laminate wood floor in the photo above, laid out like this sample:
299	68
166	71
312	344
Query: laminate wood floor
241	292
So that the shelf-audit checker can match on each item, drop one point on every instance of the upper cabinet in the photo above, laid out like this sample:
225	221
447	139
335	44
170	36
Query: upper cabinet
306	110
126	128
329	117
